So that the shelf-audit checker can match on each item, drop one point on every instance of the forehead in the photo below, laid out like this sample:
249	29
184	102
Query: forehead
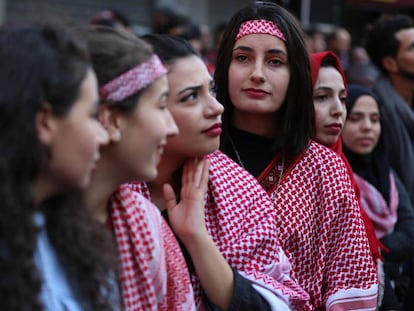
366	103
156	89
261	42
329	76
406	37
186	71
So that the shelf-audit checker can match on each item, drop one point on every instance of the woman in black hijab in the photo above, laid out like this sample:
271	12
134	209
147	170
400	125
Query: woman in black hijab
383	195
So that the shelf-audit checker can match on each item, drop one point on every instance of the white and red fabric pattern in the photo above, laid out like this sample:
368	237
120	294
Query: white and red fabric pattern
240	218
260	26
383	215
154	275
321	230
132	81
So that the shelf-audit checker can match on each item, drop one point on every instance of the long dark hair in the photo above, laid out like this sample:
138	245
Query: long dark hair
170	48
296	116
43	64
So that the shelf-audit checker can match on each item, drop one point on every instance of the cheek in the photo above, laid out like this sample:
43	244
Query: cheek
183	120
377	133
89	137
280	80
345	133
232	85
348	134
320	114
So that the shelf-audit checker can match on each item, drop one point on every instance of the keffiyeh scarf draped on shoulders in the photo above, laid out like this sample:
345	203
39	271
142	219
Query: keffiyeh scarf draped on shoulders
321	231
240	218
382	214
154	275
316	62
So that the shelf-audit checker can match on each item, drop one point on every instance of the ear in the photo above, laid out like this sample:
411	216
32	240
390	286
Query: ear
390	64
45	123
111	120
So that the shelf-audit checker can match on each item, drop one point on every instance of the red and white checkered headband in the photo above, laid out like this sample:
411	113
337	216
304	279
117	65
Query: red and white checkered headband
133	80
260	26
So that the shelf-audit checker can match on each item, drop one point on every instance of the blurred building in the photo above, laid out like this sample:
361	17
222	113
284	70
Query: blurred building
354	15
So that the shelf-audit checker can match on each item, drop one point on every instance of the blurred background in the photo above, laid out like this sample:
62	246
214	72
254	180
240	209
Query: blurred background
205	18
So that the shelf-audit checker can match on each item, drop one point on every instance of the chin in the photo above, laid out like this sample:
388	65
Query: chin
214	147
150	175
84	182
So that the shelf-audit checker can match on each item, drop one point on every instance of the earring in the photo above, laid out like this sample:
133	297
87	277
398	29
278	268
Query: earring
116	136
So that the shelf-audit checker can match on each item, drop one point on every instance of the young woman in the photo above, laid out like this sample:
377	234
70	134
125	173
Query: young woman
230	243
383	195
133	91
263	79
329	99
53	255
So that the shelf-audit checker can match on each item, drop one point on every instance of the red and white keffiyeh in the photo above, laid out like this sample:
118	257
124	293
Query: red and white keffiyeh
260	26
154	275
320	228
133	80
240	218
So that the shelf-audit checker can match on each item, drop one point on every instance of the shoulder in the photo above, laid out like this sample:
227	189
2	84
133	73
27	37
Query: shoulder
226	170
130	197
322	170
320	157
229	181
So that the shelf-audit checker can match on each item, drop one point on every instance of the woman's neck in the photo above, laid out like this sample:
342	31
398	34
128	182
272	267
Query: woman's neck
105	180
168	165
259	124
42	188
404	87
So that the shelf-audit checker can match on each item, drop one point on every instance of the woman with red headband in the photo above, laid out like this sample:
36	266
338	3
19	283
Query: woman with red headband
263	80
133	92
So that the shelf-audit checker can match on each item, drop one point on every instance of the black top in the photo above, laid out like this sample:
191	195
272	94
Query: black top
248	146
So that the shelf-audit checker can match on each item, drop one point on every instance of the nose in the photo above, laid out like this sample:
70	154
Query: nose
101	134
338	107
366	124
257	75
213	107
172	129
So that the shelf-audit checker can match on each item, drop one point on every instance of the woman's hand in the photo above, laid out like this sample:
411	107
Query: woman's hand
187	220
187	217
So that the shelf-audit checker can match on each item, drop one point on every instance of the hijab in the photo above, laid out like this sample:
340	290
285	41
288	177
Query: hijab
316	61
373	167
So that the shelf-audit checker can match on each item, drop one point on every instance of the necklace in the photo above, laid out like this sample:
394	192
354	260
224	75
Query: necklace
280	167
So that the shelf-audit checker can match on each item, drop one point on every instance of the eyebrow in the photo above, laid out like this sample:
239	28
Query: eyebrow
328	88
270	51
360	113
190	88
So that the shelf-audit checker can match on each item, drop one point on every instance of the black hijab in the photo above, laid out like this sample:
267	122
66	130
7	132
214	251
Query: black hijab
373	167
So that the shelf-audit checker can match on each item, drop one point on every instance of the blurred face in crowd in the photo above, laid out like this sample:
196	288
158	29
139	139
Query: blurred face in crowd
362	128
74	140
